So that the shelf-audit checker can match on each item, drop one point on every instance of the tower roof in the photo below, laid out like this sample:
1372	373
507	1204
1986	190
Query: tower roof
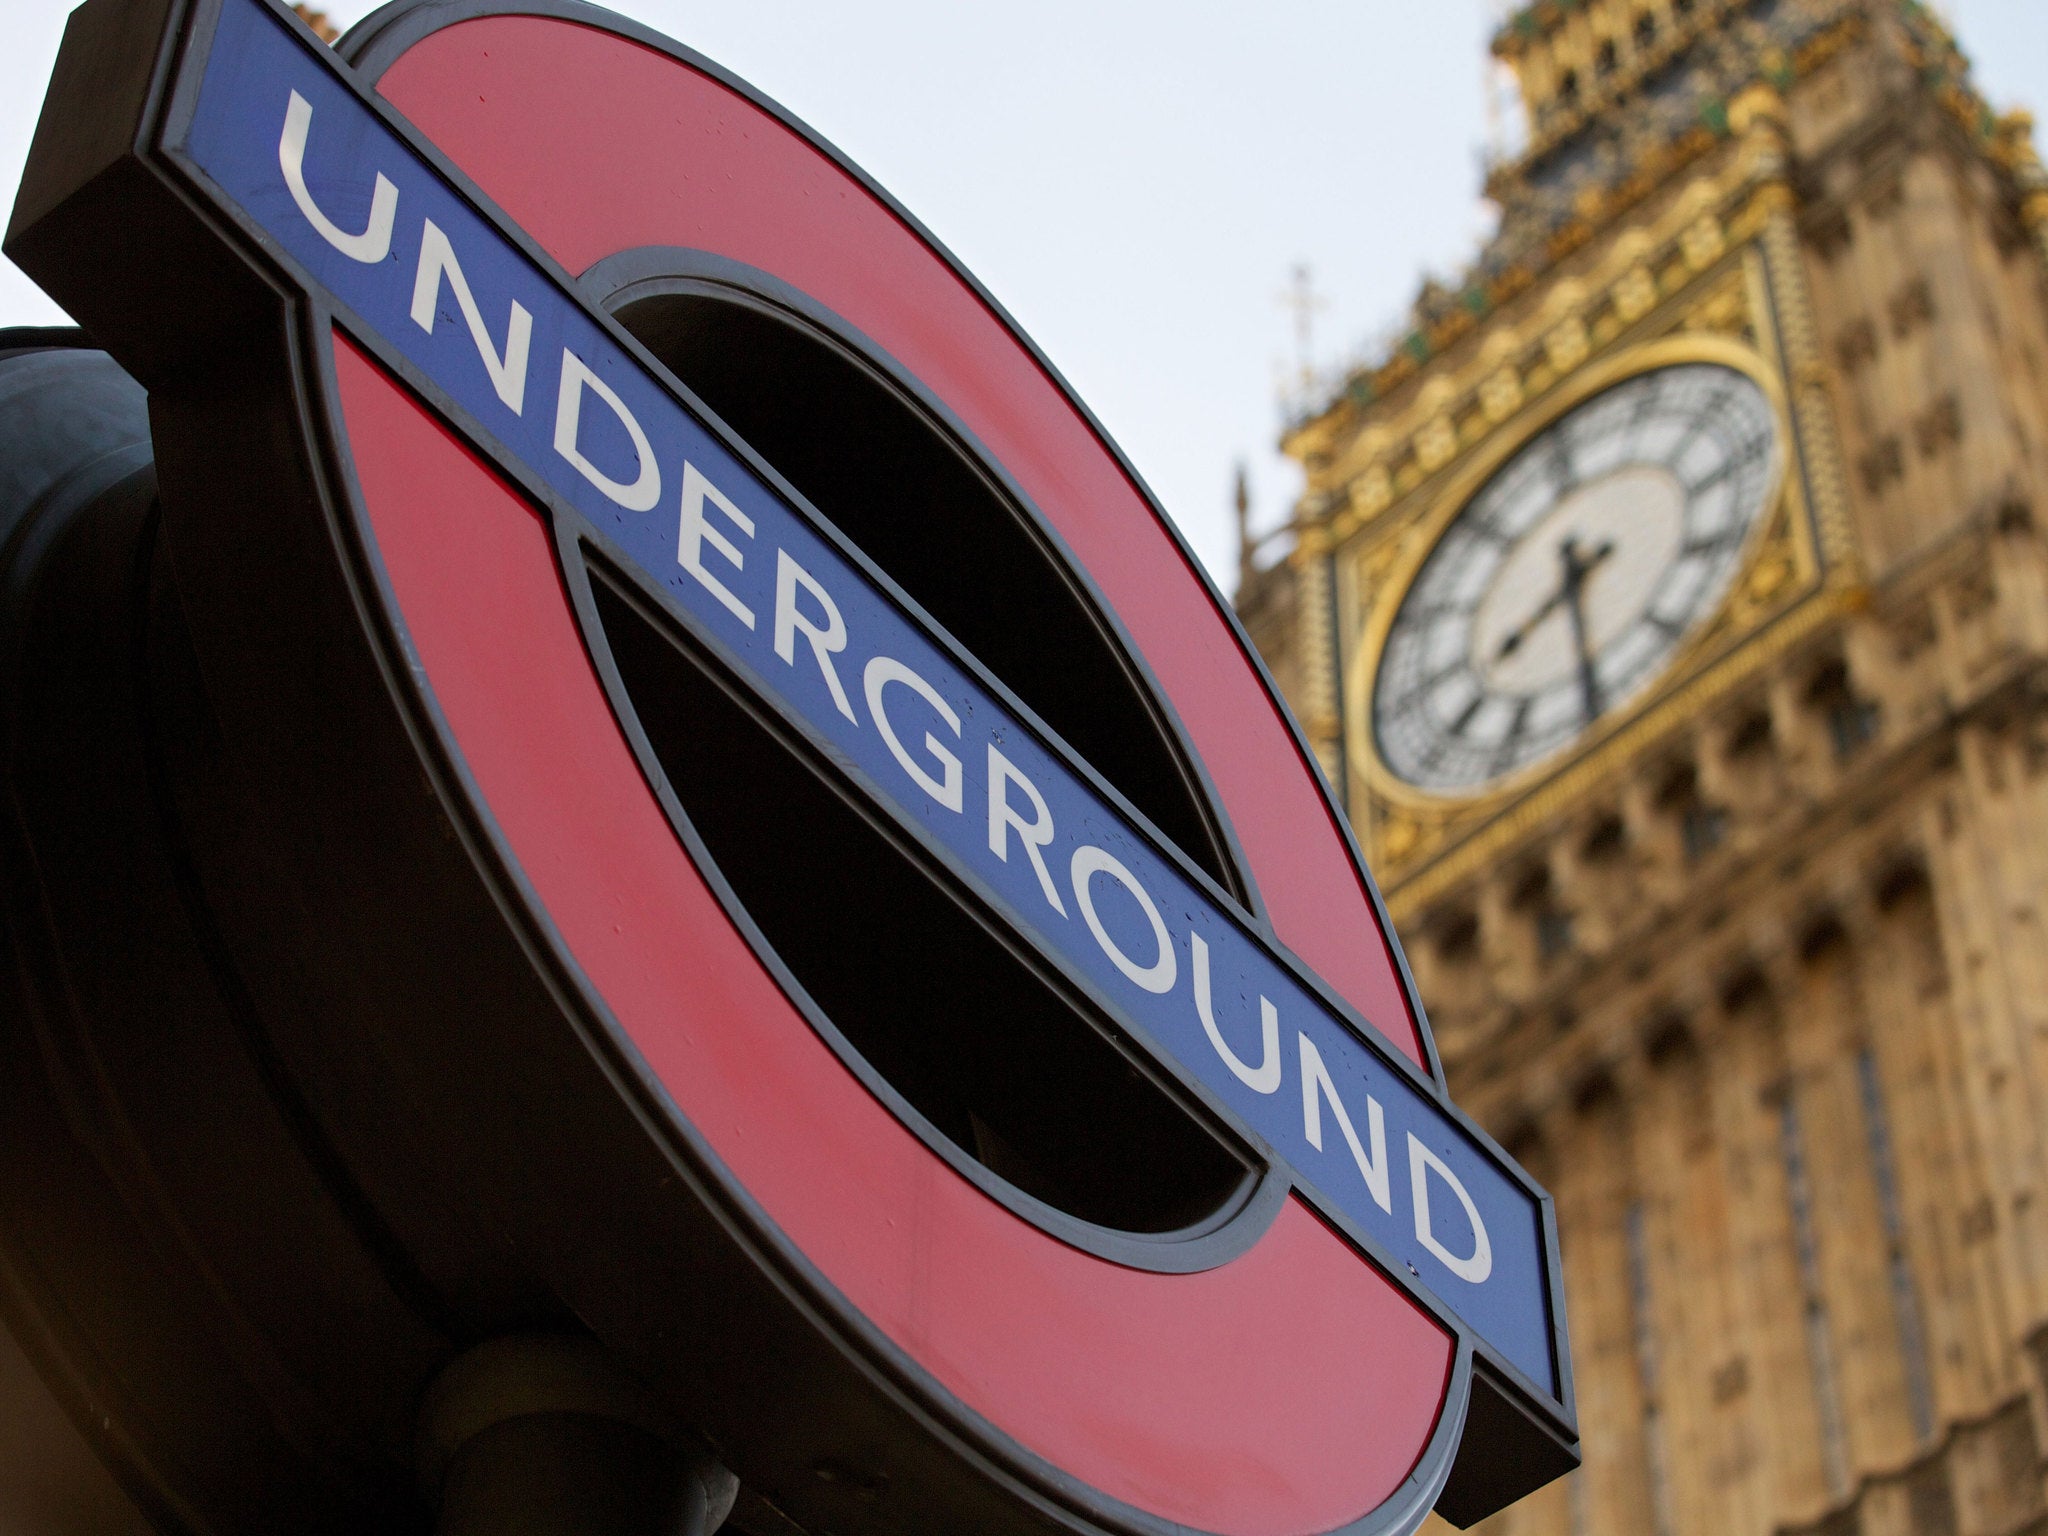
1619	96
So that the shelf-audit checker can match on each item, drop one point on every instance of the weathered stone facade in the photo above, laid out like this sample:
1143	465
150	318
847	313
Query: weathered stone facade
1755	977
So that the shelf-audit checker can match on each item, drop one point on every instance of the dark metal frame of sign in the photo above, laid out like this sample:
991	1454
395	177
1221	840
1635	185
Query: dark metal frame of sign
152	207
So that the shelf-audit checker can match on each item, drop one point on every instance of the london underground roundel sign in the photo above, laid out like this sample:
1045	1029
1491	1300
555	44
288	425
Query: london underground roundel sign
781	803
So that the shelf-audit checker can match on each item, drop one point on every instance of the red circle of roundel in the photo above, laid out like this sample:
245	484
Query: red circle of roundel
1291	1390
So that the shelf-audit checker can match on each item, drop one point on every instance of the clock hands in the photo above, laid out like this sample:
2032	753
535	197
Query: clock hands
1574	587
1506	649
1511	642
1570	595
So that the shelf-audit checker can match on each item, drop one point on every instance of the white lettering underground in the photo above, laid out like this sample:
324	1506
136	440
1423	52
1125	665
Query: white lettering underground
947	761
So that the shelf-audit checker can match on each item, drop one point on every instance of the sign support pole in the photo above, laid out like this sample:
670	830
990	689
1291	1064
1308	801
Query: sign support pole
546	1432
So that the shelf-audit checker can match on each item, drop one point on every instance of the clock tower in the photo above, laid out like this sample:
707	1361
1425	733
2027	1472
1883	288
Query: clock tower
1670	611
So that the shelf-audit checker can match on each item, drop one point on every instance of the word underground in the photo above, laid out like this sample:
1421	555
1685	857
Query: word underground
573	413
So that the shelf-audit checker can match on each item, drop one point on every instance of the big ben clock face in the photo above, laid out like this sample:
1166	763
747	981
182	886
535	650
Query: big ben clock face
1563	589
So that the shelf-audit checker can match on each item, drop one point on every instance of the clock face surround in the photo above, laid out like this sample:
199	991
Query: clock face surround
1563	589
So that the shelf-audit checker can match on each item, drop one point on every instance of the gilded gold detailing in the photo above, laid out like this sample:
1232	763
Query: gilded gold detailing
1782	572
1797	344
1703	240
1372	492
1436	443
1755	115
1317	641
1759	105
1717	263
1398	836
1635	294
1566	346
1369	571
1725	310
1501	395
1522	359
1774	566
1800	568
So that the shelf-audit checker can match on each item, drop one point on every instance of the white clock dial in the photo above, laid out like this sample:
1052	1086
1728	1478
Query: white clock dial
1564	587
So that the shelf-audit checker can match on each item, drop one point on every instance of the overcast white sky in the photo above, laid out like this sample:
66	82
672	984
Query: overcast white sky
1133	179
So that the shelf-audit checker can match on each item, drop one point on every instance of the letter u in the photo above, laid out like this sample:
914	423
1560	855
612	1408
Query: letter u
374	243
1264	1078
